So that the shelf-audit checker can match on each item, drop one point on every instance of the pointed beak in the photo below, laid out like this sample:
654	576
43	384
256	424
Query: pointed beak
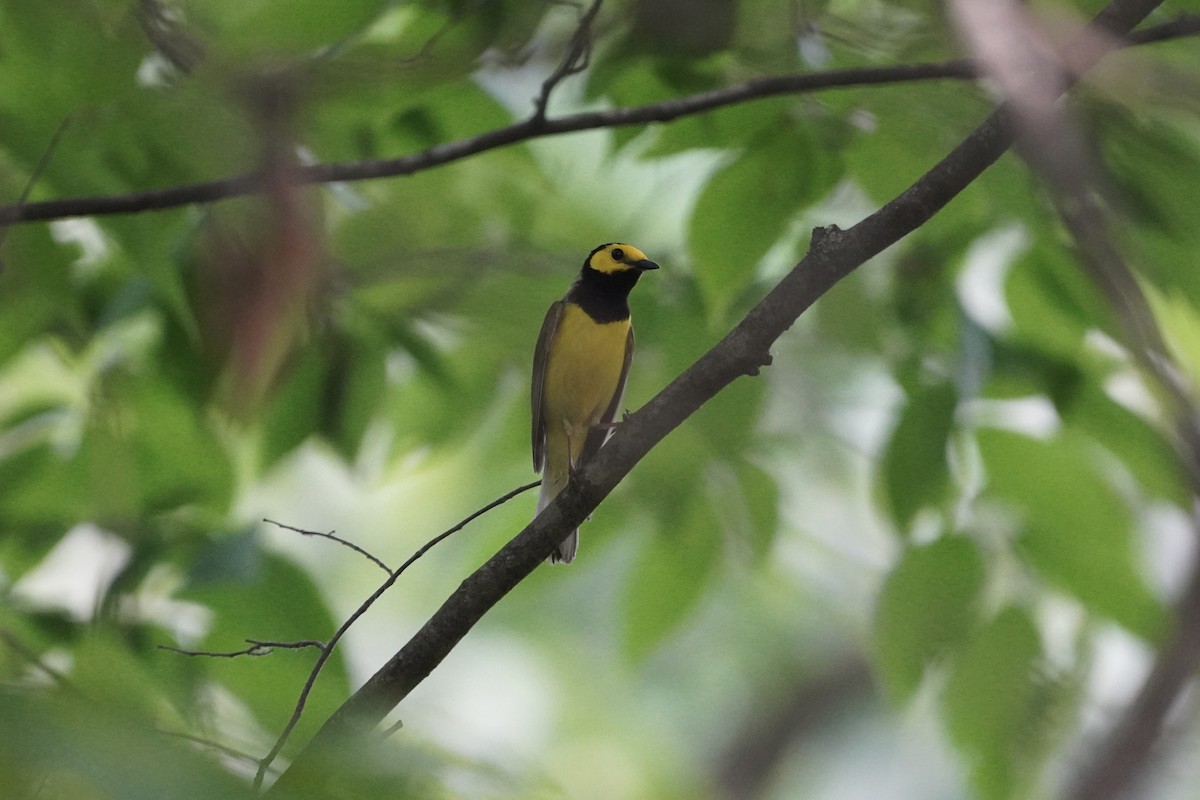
645	264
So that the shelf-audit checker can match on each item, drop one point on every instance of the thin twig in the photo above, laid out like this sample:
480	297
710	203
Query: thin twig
210	744
574	61
286	733
165	30
14	643
330	535
38	169
256	648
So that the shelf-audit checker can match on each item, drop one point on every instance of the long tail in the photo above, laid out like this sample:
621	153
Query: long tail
551	486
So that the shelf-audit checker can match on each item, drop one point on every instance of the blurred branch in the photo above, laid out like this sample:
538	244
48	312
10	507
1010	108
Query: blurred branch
832	255
38	169
1116	761
211	745
574	61
330	535
1183	25
180	47
749	760
14	643
535	127
256	648
1014	53
327	650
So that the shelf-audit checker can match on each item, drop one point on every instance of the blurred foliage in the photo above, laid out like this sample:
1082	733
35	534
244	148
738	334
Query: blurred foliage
953	464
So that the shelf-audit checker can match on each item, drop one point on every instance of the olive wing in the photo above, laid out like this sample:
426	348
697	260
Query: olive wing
541	356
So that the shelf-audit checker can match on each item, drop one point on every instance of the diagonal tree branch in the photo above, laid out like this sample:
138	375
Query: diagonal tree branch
535	127
832	255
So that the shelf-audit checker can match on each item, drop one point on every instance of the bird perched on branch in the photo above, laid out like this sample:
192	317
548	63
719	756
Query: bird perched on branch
579	370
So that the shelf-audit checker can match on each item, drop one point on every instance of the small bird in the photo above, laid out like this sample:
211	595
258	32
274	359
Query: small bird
579	370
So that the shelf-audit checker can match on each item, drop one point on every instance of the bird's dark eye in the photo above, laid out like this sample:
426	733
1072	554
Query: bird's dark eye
618	254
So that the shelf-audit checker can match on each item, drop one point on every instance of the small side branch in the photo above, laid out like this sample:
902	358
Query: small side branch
332	537
574	61
38	169
223	749
14	643
257	648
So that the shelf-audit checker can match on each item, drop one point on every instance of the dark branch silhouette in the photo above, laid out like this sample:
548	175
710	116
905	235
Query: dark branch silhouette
535	127
832	255
745	767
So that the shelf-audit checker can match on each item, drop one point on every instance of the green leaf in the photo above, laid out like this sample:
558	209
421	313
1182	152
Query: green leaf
1142	448
1154	160
915	471
758	499
1178	317
286	26
731	127
1076	530
896	134
148	450
727	422
993	704
61	56
53	745
929	605
669	579
1017	371
381	118
850	315
353	391
149	248
36	292
1052	302
179	458
294	411
40	489
748	205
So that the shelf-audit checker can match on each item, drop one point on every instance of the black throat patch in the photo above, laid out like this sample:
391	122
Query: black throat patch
604	295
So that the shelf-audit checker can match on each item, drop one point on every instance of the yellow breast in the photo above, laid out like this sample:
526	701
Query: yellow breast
583	370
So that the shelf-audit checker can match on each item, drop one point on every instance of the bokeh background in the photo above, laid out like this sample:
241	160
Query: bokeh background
928	553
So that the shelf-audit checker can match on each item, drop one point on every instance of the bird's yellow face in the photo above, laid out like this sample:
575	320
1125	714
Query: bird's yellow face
618	257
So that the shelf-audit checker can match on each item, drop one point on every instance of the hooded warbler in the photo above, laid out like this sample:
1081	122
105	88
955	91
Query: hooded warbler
579	370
